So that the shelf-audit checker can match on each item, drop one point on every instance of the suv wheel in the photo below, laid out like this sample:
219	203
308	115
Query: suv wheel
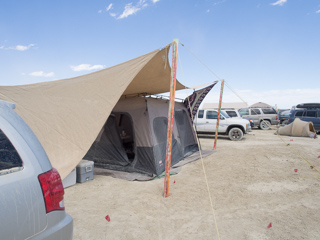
284	122
265	125
235	134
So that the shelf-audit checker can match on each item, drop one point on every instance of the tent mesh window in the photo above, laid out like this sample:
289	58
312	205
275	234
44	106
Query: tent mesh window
125	126
160	127
186	136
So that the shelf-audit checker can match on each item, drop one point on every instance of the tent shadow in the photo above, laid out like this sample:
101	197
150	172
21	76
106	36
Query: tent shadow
212	136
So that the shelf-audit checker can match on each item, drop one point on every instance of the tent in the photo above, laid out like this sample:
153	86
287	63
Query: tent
260	104
134	137
298	128
67	115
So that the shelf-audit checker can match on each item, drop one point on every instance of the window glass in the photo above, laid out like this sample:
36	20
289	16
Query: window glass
232	113
311	114
298	113
318	114
9	157
268	111
223	114
255	111
244	112
200	113
212	115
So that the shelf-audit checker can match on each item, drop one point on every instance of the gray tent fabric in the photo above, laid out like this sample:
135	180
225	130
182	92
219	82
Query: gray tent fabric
298	128
141	123
67	115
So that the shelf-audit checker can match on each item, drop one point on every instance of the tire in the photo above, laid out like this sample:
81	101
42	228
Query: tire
235	134
265	125
284	122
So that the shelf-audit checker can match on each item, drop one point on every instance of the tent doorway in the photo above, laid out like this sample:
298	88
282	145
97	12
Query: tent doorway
125	126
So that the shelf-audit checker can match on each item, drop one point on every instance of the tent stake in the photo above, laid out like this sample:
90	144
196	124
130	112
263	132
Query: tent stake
219	110
170	116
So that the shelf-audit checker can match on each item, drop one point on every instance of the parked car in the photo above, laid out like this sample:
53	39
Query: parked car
31	191
233	113
309	112
206	122
284	117
262	117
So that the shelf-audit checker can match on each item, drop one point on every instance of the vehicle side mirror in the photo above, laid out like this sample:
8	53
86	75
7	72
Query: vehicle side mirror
221	117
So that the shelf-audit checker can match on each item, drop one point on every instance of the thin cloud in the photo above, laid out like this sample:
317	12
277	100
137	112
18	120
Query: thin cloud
109	7
130	8
86	67
41	74
19	47
220	2
318	11
100	11
279	2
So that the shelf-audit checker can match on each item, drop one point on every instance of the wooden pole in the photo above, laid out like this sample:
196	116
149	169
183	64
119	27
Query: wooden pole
170	116
219	110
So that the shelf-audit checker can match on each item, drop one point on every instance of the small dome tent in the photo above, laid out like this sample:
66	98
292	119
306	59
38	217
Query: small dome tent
298	128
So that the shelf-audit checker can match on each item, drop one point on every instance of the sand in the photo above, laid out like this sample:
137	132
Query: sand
252	183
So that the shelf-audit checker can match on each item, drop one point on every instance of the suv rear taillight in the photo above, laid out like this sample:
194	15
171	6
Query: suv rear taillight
52	189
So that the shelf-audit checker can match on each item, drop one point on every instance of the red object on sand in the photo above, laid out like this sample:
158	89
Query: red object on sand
174	181
107	218
291	140
270	225
296	170
319	156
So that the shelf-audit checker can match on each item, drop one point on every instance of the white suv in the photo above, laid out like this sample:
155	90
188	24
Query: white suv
235	128
31	191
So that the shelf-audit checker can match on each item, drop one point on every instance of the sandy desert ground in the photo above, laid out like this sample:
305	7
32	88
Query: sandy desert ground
252	182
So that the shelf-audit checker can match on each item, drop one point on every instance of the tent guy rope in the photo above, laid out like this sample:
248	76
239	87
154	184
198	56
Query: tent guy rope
202	162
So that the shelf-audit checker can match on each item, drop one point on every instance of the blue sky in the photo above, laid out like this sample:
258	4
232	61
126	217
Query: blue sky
266	50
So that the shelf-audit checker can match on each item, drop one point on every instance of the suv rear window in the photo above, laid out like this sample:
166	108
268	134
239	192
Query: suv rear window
9	157
268	111
310	114
299	114
255	111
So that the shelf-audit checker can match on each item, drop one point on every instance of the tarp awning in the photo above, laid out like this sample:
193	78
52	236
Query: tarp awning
67	115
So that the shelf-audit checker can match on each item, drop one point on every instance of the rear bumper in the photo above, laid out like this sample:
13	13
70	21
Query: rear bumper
275	122
60	227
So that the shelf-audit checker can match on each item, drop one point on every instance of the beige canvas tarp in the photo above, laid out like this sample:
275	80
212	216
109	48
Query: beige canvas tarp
298	128
67	115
